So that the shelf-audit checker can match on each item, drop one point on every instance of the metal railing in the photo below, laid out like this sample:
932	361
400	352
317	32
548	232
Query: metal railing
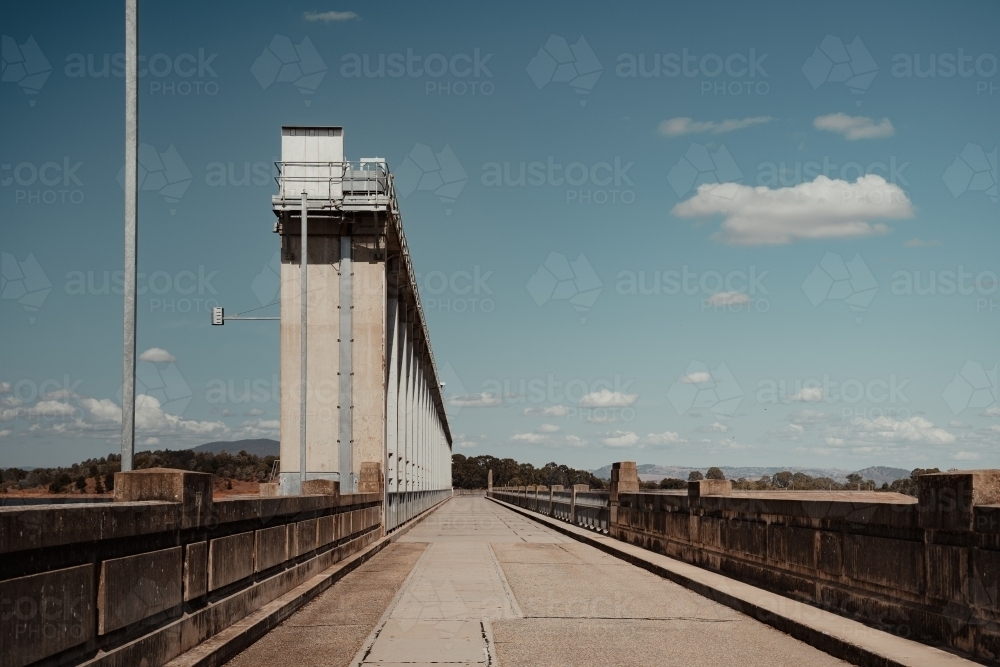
401	506
591	509
334	182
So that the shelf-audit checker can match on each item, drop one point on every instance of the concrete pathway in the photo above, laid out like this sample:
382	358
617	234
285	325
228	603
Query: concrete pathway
494	587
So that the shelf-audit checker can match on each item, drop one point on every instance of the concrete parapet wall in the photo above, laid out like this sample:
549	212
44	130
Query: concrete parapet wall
139	581
926	569
918	569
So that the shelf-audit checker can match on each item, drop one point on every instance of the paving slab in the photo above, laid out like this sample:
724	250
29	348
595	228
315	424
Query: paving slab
329	630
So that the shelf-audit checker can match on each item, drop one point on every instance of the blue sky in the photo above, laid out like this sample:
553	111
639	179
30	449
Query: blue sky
744	236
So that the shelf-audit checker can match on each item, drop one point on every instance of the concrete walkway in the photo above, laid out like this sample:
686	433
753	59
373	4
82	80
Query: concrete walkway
477	584
494	587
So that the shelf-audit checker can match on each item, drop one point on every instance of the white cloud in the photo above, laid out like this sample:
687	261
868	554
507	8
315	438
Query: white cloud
5	388
854	127
810	417
621	439
329	17
259	428
255	412
549	440
606	398
789	432
4	433
548	428
463	441
916	429
157	355
149	442
150	418
547	411
699	377
808	395
675	127
729	299
965	456
103	410
714	427
992	412
954	423
665	438
480	400
920	243
824	208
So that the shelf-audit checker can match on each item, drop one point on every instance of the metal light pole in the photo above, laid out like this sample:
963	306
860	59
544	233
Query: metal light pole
131	216
303	308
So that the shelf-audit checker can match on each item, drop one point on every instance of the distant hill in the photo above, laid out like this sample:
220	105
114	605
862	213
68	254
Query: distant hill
649	472
257	446
881	474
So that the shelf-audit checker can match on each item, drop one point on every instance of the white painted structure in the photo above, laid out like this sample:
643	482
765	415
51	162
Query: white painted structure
373	393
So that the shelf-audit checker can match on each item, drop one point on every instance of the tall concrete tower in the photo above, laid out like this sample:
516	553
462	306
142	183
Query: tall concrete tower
373	394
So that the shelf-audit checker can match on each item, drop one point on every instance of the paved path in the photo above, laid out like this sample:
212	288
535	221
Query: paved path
486	586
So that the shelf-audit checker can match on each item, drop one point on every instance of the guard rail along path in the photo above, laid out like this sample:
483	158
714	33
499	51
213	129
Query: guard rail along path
925	568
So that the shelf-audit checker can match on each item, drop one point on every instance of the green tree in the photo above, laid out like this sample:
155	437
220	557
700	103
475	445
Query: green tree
782	479
695	475
715	473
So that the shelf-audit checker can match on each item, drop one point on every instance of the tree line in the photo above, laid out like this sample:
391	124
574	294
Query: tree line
798	481
99	474
471	473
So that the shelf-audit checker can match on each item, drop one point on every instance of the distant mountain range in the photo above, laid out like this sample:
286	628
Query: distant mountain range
258	446
649	472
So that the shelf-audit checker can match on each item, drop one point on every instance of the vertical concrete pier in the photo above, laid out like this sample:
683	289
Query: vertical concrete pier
373	394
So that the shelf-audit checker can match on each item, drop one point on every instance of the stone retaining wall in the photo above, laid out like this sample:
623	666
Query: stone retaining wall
140	582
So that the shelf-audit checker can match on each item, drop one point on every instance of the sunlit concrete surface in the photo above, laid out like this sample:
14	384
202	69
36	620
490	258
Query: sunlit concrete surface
493	585
477	584
330	630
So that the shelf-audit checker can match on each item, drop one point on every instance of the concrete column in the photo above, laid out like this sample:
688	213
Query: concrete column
368	352
392	398
947	500
345	376
322	454
489	481
624	479
572	500
408	415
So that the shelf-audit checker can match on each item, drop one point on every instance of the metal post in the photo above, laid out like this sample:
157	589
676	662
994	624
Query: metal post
303	310
347	478
131	217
